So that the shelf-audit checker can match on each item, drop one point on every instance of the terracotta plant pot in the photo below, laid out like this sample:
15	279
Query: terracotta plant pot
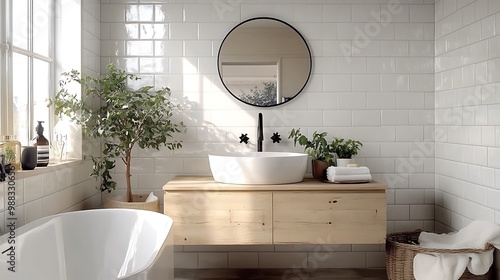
319	169
138	203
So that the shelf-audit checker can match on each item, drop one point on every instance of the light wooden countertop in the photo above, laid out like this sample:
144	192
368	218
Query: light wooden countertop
206	183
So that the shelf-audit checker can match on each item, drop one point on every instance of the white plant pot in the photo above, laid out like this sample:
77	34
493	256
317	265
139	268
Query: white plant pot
343	162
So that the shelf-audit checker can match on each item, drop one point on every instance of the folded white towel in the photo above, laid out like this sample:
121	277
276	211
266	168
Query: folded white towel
348	170
350	178
348	174
451	266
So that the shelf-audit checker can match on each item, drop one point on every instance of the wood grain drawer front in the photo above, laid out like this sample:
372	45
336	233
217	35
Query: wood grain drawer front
222	218
329	218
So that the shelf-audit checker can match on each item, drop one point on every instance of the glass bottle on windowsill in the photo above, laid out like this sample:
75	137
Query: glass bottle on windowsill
11	150
42	145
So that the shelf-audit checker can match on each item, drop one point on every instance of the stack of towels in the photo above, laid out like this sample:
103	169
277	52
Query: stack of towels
348	174
451	266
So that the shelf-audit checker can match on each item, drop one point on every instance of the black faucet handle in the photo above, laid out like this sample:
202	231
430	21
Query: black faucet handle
276	137
244	138
2	173
260	126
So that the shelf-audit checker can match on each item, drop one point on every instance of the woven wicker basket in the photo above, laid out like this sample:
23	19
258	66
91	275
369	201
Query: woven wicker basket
138	203
400	253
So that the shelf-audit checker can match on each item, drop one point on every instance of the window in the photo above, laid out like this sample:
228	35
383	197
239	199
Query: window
27	33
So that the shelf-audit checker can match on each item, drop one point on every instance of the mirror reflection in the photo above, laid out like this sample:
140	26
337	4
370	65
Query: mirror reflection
264	62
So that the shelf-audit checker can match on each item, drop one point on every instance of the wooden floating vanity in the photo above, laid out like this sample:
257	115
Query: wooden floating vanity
310	212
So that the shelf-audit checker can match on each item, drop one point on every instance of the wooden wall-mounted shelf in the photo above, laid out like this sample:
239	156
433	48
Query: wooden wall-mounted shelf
310	212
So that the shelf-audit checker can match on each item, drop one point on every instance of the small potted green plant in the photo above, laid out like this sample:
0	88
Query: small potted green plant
317	148
122	118
345	149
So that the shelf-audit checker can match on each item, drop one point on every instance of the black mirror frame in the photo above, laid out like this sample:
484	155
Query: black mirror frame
287	24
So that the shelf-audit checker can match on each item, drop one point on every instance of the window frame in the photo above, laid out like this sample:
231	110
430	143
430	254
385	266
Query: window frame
6	63
5	122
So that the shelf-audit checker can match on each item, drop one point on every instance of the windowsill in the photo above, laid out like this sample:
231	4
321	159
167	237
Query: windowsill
47	169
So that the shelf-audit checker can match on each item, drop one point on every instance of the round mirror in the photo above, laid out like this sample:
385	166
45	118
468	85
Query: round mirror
264	62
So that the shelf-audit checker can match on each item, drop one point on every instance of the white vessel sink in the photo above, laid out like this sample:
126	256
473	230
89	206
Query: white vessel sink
258	167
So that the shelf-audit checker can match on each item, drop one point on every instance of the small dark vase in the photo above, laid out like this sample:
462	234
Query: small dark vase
29	157
319	169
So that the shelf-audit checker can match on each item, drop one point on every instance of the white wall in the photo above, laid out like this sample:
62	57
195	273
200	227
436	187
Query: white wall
91	43
467	112
371	80
62	190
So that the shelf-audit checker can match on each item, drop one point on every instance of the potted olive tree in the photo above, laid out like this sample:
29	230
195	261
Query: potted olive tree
317	148
120	117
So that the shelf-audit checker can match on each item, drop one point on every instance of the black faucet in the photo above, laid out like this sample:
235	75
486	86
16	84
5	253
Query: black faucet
260	134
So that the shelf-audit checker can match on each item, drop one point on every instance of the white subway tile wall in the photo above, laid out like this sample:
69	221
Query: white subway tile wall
467	112
48	194
372	80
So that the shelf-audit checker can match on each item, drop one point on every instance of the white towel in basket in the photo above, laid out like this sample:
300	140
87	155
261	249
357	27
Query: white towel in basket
477	235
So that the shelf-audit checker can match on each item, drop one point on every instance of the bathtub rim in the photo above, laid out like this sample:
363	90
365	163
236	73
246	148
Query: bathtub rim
26	227
169	225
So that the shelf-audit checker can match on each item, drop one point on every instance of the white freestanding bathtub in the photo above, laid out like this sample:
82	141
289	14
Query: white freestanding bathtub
103	244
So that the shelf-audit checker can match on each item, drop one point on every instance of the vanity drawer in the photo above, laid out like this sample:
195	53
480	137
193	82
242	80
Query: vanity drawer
220	218
329	217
